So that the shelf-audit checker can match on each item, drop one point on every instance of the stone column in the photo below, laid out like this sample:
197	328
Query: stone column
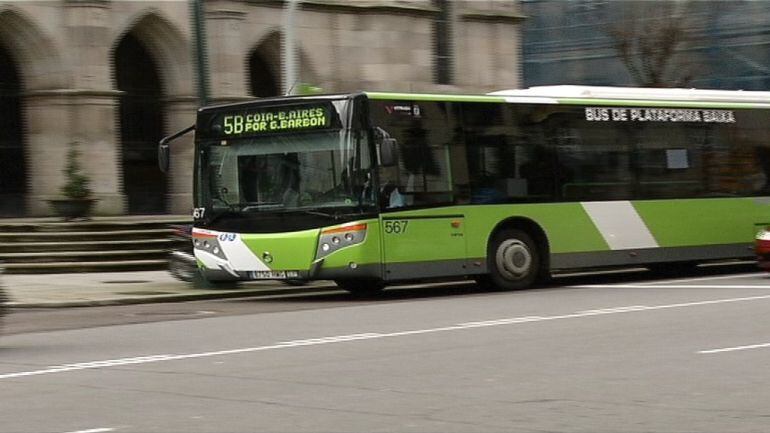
226	56
47	123
92	102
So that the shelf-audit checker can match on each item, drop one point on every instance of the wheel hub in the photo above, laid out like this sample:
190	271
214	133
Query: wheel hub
513	259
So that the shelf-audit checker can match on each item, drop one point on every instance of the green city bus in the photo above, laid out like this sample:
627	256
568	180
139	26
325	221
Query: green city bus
372	188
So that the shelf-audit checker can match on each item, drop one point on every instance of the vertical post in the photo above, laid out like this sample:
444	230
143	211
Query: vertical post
201	58
289	57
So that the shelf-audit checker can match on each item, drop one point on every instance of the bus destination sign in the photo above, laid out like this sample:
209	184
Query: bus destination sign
259	121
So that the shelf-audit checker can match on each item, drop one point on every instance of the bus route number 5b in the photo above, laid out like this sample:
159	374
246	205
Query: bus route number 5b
396	227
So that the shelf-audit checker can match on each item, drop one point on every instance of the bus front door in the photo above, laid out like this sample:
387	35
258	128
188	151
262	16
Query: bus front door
423	246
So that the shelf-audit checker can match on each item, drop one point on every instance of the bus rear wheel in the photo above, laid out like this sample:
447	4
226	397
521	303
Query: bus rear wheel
361	287
513	260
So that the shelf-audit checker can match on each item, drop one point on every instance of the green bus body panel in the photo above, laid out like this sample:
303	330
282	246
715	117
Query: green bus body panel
569	229
423	238
693	222
456	233
290	251
567	226
297	250
432	97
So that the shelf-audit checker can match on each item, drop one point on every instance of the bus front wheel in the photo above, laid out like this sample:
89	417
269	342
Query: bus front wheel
513	260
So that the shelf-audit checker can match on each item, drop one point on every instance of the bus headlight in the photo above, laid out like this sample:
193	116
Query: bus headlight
335	238
209	245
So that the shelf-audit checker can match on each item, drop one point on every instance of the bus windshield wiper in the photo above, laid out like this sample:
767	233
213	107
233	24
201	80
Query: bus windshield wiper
340	212
249	206
319	213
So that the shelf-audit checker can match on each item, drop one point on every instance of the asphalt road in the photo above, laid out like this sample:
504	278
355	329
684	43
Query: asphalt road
624	353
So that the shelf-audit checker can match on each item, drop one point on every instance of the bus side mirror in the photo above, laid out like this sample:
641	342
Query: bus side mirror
388	149
163	152
388	157
163	156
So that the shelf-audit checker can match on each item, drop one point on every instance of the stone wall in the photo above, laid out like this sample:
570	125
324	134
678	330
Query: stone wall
64	53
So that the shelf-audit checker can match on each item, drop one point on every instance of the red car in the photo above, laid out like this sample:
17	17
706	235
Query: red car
762	248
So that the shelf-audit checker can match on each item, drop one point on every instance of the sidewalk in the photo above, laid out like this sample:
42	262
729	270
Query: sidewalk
118	288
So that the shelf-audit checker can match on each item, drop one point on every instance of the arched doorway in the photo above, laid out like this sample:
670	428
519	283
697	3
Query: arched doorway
263	82
265	67
141	126
13	166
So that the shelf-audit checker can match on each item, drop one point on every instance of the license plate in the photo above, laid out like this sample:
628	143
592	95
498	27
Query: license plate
273	275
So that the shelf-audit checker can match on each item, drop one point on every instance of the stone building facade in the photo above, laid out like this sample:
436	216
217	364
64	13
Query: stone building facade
110	77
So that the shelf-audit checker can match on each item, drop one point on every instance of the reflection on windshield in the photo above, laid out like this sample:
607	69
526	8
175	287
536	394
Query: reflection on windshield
306	171
269	180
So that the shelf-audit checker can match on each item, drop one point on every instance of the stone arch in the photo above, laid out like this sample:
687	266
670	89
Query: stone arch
265	67
169	47
37	56
151	66
267	56
29	62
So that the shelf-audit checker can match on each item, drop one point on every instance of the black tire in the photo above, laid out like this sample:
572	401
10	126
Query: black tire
513	260
201	282
362	287
183	271
294	282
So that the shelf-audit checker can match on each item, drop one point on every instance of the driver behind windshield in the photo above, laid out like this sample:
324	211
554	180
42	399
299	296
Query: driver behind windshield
269	179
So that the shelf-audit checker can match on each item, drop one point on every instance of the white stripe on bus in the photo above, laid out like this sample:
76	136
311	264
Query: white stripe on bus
620	224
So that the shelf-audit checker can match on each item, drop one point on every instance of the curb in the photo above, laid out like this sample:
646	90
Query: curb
182	297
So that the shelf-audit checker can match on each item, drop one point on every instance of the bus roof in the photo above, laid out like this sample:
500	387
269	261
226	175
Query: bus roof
602	95
638	93
563	94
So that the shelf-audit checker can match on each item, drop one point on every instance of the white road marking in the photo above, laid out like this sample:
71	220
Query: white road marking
367	336
735	349
94	430
722	277
617	309
674	286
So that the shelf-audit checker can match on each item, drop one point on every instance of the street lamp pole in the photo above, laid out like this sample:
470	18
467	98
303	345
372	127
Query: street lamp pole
201	59
289	53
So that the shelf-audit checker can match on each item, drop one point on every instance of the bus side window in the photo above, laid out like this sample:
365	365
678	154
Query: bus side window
424	131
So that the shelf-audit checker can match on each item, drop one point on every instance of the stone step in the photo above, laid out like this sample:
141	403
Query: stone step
46	245
94	256
84	235
85	266
101	224
132	244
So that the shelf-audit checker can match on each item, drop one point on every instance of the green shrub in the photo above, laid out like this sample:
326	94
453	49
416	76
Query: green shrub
77	185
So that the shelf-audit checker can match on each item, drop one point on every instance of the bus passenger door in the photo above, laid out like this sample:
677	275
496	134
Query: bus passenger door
423	246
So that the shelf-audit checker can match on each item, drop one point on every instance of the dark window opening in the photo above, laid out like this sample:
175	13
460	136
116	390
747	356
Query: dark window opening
262	80
141	126
13	166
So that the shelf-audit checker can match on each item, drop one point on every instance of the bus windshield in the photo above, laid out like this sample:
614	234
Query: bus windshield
325	171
